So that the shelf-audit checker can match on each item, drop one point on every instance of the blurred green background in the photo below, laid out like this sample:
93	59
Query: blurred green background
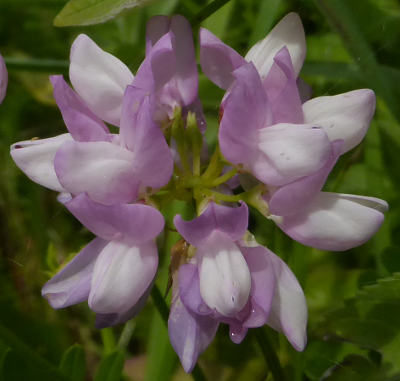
353	297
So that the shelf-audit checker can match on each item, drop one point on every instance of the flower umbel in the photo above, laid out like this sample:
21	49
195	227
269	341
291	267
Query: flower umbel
275	151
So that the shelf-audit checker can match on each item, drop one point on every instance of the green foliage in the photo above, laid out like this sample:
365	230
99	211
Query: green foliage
87	12
73	364
110	368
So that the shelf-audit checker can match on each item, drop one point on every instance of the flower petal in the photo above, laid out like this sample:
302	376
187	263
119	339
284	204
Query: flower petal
289	152
218	60
103	170
36	159
83	125
245	112
99	78
108	320
231	221
156	27
153	162
3	79
335	221
288	32
345	116
71	285
121	276
289	307
225	280
292	197
189	334
282	91
262	282
130	223
189	289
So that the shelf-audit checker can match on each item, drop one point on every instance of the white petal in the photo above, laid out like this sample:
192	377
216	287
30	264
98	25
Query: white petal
344	116
335	221
36	159
99	78
288	32
289	308
293	150
121	276
224	275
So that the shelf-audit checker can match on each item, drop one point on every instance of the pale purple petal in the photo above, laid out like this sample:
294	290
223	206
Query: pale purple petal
237	333
288	152
189	289
158	67
36	159
218	60
156	27
71	285
83	125
345	116
288	32
130	223
186	66
289	308
282	91
3	79
108	320
293	197
99	78
153	162
225	280
335	221
231	221
121	275
262	284
246	111
104	170
189	334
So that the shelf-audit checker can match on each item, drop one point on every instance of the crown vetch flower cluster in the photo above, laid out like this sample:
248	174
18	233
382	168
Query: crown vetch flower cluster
276	149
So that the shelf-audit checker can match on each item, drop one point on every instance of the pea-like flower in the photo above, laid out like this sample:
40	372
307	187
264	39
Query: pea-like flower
231	280
288	145
115	271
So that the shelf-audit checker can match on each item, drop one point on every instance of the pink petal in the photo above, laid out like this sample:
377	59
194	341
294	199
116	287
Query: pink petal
218	60
99	78
288	32
130	223
292	197
36	159
335	221
345	116
121	276
189	334
289	308
83	125
231	221
103	170
71	285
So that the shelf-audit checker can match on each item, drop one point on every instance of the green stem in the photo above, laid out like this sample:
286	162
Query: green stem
208	11
223	197
163	310
126	334
225	177
214	168
107	335
270	356
35	64
28	354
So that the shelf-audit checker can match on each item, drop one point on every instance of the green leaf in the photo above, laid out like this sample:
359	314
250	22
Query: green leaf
370	320
73	364
89	12
110	368
355	368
